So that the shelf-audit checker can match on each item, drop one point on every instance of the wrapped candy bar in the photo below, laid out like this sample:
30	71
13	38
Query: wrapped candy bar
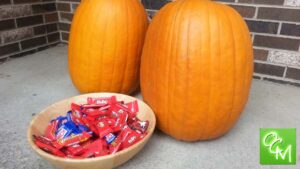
75	149
51	130
71	140
140	126
45	144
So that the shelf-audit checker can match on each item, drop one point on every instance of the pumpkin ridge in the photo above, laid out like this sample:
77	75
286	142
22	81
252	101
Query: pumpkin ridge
187	84
81	52
101	54
186	101
86	28
168	79
220	52
243	27
113	53
220	55
200	132
169	125
238	83
88	52
154	46
126	54
237	99
207	113
219	58
76	19
221	127
138	60
248	59
246	67
228	119
174	59
167	114
78	42
146	70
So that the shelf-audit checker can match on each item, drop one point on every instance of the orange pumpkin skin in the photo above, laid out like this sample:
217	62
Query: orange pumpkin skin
105	45
196	68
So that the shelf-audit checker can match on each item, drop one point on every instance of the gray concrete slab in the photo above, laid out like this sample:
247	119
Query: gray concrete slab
29	84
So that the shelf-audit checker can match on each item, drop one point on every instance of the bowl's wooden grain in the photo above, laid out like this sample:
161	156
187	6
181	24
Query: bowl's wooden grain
40	122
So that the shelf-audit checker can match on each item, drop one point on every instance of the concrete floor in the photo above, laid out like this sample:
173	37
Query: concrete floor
29	84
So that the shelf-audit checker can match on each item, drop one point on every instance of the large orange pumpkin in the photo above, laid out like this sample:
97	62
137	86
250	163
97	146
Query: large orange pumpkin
196	68
105	45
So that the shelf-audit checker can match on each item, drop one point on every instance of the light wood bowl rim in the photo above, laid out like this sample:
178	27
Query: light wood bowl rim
86	160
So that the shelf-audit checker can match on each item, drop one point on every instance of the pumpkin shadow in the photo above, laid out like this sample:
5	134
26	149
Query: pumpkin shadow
136	91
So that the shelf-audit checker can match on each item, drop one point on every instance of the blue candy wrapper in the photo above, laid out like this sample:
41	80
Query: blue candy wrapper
61	120
109	138
69	118
66	129
82	127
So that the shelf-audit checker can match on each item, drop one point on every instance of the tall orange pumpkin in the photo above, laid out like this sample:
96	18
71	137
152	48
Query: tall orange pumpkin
105	45
196	68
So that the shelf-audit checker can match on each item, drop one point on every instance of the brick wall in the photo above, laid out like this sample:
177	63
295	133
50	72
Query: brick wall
27	26
274	25
65	9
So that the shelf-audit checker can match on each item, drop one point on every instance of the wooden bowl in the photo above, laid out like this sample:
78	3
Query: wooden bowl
40	122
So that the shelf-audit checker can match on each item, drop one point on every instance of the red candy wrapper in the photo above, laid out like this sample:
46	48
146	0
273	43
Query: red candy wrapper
75	149
116	110
51	130
140	126
76	113
71	140
45	144
130	139
94	149
42	139
133	108
121	117
120	122
95	106
95	112
115	146
103	128
122	107
90	125
102	101
110	121
76	110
